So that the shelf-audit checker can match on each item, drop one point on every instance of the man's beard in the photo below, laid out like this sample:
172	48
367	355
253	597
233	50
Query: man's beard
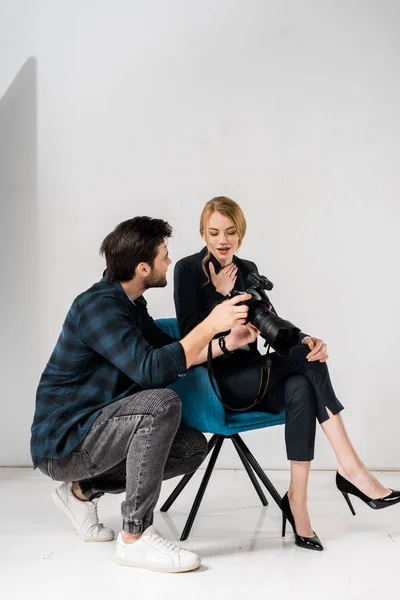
155	281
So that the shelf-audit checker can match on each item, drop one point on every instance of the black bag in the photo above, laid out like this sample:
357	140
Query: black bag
242	378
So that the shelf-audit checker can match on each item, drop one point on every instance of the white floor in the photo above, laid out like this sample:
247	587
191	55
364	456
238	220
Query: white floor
243	555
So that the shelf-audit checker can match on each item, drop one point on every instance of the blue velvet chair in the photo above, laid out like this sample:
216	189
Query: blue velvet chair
202	410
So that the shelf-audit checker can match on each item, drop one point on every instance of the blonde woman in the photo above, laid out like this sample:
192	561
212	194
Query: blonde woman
299	383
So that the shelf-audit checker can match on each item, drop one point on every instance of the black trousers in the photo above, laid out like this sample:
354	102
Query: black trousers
303	389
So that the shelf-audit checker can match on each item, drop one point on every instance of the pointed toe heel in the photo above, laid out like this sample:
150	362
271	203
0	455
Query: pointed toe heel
346	487
309	543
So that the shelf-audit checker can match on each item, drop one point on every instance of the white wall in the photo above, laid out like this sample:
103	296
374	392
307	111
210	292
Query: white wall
19	290
291	108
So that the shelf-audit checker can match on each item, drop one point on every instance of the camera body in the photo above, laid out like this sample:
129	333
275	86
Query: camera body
278	333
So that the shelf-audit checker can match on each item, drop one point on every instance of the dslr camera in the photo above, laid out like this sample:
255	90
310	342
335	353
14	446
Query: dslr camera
278	333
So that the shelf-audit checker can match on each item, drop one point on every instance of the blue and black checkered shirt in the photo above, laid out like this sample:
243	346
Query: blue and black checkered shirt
109	348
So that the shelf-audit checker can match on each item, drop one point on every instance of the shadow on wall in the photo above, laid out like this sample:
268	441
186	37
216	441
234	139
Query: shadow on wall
19	287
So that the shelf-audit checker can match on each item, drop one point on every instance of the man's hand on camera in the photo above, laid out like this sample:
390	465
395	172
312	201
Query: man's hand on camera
225	280
319	350
229	313
240	335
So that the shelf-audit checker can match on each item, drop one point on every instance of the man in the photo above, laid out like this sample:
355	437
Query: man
104	420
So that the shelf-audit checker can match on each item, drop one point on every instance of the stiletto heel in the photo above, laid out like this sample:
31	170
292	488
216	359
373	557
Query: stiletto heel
283	524
346	487
312	543
346	497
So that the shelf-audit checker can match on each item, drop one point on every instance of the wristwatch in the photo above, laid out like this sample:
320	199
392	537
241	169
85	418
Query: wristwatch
222	345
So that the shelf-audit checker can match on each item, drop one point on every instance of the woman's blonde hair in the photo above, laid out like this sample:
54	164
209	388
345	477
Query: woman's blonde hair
229	208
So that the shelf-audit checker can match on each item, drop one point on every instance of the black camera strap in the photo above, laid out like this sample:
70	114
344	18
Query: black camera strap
265	375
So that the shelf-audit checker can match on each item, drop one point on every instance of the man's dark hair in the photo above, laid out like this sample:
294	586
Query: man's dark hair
132	242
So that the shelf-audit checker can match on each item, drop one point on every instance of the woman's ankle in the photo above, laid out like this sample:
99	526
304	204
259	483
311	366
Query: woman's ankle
354	471
298	497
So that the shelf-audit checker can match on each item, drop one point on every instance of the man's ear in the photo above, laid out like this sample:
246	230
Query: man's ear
143	269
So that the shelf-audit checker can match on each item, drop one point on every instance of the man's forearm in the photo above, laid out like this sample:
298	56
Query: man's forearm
202	357
223	317
196	342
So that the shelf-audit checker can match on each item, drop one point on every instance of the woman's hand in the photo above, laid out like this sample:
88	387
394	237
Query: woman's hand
319	350
225	280
241	335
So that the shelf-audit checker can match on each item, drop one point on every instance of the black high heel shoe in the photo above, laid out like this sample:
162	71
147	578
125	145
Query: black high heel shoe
346	487
312	543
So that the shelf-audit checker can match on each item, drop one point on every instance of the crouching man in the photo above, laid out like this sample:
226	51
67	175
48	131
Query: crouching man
104	421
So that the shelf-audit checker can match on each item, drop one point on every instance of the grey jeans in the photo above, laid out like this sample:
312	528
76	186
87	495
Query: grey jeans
131	447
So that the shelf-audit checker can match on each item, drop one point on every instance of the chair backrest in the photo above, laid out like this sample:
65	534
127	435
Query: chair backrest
170	326
201	408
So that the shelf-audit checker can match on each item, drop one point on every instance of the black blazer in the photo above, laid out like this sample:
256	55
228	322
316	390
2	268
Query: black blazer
194	297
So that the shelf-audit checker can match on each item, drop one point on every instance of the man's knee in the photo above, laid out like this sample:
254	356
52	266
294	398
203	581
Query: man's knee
156	402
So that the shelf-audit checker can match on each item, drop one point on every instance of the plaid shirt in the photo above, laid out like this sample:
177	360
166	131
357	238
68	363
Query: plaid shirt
109	348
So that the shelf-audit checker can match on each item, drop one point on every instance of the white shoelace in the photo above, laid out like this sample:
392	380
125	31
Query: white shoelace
164	544
95	515
93	512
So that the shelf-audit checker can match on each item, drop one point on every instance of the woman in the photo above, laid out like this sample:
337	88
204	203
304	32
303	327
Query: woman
298	384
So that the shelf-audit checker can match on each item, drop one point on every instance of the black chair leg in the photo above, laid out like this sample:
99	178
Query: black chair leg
250	473
185	479
272	490
202	488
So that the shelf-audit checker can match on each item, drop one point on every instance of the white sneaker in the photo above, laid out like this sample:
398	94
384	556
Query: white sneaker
155	553
83	515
